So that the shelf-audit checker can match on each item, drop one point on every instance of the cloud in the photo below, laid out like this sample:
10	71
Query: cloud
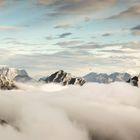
136	27
130	2
46	2
92	112
50	37
132	11
87	19
71	43
132	46
65	35
73	60
63	26
2	2
75	56
82	45
79	7
106	34
136	30
20	43
8	27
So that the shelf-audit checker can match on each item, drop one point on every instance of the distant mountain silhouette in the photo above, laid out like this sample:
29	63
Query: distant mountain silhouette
105	78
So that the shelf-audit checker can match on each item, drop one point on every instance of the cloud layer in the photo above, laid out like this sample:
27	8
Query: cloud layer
91	112
77	57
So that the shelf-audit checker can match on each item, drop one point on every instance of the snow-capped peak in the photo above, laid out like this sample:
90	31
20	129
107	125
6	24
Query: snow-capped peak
11	73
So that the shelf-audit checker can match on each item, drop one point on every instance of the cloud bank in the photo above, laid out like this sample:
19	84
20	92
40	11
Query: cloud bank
91	112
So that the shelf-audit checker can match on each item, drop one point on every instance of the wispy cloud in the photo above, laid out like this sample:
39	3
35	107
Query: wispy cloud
133	11
136	30
63	26
50	37
65	35
69	43
4	27
76	7
46	2
108	57
136	27
106	34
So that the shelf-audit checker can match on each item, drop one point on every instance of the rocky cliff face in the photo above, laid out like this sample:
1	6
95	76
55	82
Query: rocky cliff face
63	78
6	84
135	81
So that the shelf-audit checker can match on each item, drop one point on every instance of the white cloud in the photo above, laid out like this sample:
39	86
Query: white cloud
94	111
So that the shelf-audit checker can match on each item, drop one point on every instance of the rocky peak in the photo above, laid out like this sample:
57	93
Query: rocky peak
64	78
6	84
15	74
135	81
11	73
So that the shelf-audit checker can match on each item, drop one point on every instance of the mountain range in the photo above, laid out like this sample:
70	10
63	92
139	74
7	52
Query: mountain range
64	78
107	78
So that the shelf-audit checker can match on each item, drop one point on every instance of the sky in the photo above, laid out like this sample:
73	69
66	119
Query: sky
78	36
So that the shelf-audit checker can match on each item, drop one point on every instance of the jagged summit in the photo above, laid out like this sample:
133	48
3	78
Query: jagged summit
64	78
15	74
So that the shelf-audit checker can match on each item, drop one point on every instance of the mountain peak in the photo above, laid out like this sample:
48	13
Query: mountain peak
15	74
63	78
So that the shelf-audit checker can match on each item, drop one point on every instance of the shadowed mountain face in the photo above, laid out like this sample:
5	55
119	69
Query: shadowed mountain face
64	78
135	81
105	78
6	84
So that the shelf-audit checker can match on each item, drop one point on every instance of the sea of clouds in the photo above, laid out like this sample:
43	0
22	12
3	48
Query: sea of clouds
53	112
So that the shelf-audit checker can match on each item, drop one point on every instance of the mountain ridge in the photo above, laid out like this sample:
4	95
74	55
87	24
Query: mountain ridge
64	78
107	78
